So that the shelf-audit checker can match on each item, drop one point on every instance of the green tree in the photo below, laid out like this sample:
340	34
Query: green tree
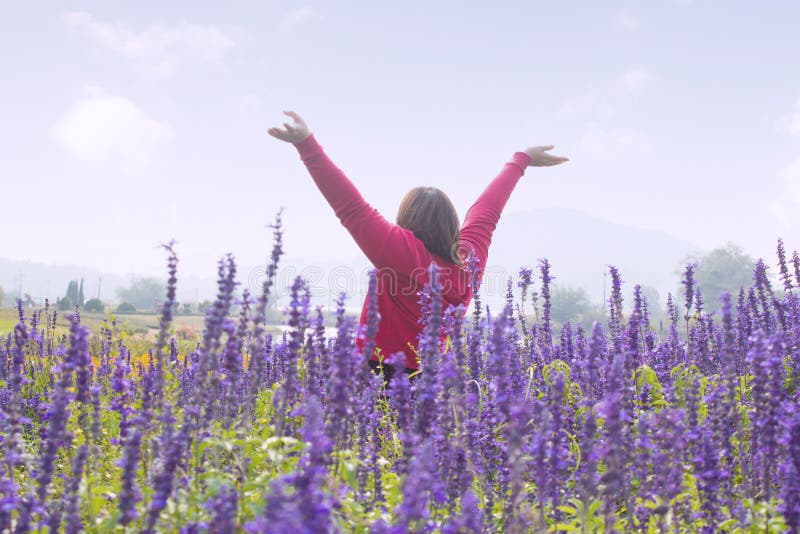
653	299
94	306
723	269
143	293
64	304
72	291
126	307
572	304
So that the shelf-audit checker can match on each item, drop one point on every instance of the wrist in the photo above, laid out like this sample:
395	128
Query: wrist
308	146
521	160
303	138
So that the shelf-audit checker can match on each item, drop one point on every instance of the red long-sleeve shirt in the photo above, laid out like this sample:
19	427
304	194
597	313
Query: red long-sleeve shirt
400	258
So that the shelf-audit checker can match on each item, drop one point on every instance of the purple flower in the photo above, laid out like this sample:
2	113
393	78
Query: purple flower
613	450
9	501
587	470
546	331
298	321
206	376
412	512
257	365
471	520
166	319
796	267
316	354
73	520
688	284
223	507
498	364
786	277
790	469
766	364
343	366
559	448
129	493
425	386
525	281
615	321
595	360
121	386
516	433
475	274
171	446
232	364
708	475
295	502
669	439
56	434
373	317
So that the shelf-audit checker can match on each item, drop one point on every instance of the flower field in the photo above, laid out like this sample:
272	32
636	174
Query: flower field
512	425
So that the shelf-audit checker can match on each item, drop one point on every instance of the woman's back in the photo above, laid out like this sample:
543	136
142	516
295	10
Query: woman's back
400	257
398	296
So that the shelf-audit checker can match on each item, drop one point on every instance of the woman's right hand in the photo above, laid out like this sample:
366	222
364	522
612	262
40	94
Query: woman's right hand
539	157
291	133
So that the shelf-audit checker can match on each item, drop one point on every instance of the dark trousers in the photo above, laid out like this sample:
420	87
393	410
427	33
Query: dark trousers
387	371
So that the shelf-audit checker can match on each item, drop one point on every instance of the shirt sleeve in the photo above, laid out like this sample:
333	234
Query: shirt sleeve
388	246
482	217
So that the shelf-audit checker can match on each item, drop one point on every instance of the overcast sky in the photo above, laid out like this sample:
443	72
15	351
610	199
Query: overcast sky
123	125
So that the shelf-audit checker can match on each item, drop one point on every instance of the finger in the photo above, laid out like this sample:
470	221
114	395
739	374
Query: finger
295	116
277	133
289	127
547	147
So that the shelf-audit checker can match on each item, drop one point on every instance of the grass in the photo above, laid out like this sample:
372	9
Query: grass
144	325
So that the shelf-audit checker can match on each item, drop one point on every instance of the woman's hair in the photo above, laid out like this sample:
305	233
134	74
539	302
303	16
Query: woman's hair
428	212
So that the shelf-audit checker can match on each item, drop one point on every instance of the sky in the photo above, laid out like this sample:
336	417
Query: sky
126	125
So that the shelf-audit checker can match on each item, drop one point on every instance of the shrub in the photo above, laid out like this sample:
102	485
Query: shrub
64	304
94	306
126	307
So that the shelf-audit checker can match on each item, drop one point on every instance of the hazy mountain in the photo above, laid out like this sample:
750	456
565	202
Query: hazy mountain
578	246
42	280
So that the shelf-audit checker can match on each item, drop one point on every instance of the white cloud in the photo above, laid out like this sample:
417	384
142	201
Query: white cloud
602	101
611	142
793	120
111	129
246	105
787	206
160	48
634	80
297	16
627	21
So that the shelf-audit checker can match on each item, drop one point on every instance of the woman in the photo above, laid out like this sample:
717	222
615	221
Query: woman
427	230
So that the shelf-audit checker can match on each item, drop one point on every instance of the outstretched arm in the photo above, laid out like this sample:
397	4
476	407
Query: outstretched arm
482	217
385	244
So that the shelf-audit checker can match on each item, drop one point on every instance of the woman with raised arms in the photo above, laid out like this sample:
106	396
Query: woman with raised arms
426	231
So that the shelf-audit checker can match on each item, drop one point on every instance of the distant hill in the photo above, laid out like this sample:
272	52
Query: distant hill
42	279
578	246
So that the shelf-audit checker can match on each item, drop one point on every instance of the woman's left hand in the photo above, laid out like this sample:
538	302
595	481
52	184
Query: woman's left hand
539	157
291	133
